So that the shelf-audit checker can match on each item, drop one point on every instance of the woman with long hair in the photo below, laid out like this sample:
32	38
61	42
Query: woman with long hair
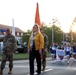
35	45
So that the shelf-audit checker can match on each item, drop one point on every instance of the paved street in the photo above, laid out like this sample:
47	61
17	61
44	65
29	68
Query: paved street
21	67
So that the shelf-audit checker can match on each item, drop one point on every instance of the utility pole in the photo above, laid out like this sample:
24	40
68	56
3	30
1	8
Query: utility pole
52	34
55	20
63	36
13	28
53	29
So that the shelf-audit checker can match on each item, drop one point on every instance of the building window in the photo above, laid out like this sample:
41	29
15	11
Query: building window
17	33
21	33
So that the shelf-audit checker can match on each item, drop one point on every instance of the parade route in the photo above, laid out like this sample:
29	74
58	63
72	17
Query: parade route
21	67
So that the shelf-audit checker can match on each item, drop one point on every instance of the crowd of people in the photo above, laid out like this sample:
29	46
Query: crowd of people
37	49
66	50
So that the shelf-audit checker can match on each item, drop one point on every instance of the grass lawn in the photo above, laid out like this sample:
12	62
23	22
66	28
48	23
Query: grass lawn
19	56
23	55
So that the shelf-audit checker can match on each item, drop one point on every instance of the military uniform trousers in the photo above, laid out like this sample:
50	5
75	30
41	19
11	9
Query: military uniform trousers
44	59
5	57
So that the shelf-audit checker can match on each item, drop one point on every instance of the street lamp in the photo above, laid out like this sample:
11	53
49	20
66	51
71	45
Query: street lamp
53	23
63	36
54	20
52	31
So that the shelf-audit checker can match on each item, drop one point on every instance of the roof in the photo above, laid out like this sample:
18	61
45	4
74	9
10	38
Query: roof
4	27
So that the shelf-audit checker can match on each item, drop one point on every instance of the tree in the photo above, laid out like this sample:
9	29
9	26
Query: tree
26	36
73	31
57	33
48	31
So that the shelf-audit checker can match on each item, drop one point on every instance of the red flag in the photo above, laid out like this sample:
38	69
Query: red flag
37	16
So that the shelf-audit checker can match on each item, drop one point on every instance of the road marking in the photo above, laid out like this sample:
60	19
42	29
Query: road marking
48	67
19	66
42	71
68	67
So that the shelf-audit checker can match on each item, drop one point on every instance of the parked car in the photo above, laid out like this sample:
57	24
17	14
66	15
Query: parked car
21	48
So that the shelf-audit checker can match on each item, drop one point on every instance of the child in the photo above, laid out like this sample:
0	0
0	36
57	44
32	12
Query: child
67	51
53	52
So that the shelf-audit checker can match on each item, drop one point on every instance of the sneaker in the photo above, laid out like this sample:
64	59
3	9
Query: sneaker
68	62
74	59
10	72
52	62
63	61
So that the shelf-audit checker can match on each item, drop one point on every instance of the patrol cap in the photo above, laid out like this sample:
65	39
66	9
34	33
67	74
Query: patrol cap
41	29
8	29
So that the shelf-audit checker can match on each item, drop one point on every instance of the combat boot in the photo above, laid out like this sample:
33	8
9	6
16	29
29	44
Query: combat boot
43	69
1	72
10	72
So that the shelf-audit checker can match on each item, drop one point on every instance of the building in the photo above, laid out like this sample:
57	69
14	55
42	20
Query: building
18	32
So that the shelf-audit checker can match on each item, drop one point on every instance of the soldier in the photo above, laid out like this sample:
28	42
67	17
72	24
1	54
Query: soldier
8	50
44	51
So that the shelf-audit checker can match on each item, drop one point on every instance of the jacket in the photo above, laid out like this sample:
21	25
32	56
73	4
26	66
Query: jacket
38	40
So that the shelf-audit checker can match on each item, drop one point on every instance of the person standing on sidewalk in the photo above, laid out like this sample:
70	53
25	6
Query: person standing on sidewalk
44	51
35	45
8	50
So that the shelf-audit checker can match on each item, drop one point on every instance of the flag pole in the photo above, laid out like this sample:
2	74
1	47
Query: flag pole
37	15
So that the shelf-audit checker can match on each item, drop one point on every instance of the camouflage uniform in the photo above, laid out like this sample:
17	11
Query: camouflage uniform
44	51
8	50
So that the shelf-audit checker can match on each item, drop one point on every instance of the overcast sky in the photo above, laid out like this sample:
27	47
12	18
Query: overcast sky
23	12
